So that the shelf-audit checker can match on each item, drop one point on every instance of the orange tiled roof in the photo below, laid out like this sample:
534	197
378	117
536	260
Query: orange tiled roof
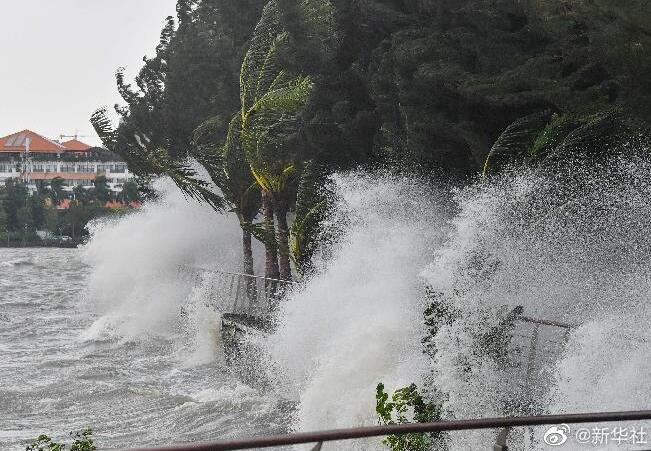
76	146
64	204
114	204
17	142
63	175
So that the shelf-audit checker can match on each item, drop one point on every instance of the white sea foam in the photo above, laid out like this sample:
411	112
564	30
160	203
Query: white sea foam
358	322
135	282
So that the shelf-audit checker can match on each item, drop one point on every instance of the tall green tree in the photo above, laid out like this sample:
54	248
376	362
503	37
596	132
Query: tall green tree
130	191
101	190
37	210
15	198
57	193
81	194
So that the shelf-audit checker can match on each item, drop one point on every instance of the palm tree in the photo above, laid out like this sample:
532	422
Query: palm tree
228	169
149	161
271	99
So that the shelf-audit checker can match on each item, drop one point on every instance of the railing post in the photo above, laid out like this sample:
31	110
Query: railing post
500	442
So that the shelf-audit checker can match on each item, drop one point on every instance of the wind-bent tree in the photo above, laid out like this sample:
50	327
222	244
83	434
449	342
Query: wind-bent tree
149	161
272	93
192	78
260	163
230	172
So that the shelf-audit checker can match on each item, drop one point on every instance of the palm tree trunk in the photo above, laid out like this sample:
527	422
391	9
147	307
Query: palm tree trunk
247	253
283	242
247	261
271	256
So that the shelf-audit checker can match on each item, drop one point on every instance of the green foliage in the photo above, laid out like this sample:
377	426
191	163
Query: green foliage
82	441
440	312
57	193
227	166
544	139
101	190
146	160
192	77
206	53
487	64
312	202
407	406
37	207
17	207
53	221
130	191
273	91
81	194
261	233
425	86
516	141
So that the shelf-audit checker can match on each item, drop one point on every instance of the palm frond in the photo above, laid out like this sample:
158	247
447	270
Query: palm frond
185	178
597	133
514	143
287	99
261	233
262	51
312	203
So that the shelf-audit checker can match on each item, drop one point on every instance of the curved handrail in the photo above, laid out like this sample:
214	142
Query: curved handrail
377	431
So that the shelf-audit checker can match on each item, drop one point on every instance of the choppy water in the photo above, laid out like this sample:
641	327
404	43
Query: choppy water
57	377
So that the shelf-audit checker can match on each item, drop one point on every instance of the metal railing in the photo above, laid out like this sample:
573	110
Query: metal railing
535	346
379	431
240	296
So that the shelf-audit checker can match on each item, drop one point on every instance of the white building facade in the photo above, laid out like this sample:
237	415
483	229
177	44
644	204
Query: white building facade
37	161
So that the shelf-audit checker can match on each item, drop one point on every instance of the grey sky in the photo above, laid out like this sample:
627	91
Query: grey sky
58	59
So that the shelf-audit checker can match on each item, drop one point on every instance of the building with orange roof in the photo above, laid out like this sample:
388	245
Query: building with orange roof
75	145
27	141
38	160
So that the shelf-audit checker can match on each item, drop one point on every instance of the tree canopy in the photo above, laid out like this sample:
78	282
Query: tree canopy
258	90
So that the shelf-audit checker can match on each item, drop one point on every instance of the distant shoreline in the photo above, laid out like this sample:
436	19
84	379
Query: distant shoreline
68	245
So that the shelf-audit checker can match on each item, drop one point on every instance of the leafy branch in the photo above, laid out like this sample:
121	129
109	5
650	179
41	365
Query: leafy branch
405	403
83	441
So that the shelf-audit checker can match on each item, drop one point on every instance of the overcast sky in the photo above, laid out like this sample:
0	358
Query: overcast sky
58	59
